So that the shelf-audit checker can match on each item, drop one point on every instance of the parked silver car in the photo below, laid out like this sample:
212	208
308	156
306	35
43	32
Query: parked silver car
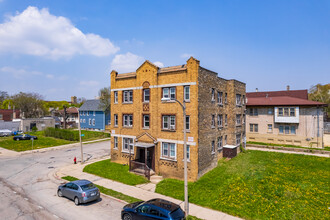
80	191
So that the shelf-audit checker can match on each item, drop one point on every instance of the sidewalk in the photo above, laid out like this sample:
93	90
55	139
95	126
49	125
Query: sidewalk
11	153
287	151
75	170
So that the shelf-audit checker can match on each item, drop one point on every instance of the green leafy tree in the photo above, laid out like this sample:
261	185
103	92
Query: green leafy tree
6	103
321	93
30	104
3	96
104	95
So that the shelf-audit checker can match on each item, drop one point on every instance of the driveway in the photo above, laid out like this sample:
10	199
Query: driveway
29	190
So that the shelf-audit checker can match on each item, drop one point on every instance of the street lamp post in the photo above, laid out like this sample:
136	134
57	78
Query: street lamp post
183	105
81	147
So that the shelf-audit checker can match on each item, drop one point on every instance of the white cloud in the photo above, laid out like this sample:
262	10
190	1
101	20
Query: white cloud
19	73
89	83
126	62
39	33
159	64
50	76
186	55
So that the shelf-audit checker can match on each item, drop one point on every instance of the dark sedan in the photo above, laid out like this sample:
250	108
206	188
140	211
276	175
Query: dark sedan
80	191
152	209
24	137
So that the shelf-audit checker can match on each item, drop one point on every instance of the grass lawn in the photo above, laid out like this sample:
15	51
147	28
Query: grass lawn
23	145
262	185
114	171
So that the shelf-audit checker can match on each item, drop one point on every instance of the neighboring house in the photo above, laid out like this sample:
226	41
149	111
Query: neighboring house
284	117
152	128
72	116
27	124
9	114
93	116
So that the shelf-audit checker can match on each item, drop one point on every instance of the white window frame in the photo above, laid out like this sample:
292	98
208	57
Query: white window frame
144	95
213	121
238	139
169	146
128	120
186	93
128	142
128	96
89	121
115	142
115	100
188	153
170	124
238	119
212	147
93	113
212	95
270	128
144	121
115	118
220	98
187	122
169	93
93	121
220	118
220	143
87	113
238	99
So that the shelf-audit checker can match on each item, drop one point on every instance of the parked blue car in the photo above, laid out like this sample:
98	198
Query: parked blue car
80	191
152	209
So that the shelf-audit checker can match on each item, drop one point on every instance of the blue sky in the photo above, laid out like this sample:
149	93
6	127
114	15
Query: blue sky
63	48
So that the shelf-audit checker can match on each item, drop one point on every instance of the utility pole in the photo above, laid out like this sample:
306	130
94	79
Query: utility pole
81	147
64	117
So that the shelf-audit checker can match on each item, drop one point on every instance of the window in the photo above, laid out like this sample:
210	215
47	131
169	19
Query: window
219	97
168	122
226	98
84	113
169	150
219	143
280	111
188	123
243	100
238	139
238	99
128	96
280	129
169	93
93	122
81	113
212	147
188	153
115	119
238	119
115	97
89	121
127	120
253	112
270	111
1	116
87	113
219	120
226	119
81	120
293	129
253	127
243	119
187	93
115	140
286	111
292	112
146	121
225	139
146	95
212	95
128	142
287	129
213	121
93	113
84	121
270	128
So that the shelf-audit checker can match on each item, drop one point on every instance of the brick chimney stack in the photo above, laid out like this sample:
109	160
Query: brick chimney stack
287	87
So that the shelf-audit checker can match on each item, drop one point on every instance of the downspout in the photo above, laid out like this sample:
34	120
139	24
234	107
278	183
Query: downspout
318	124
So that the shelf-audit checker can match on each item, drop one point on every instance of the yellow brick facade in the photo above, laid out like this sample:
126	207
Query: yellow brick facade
149	76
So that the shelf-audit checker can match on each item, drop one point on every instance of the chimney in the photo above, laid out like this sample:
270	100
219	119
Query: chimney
14	112
288	87
256	89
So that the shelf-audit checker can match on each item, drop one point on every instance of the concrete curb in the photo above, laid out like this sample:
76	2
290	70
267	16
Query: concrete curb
287	152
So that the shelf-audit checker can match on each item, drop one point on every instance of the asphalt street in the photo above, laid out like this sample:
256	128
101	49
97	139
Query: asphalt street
28	191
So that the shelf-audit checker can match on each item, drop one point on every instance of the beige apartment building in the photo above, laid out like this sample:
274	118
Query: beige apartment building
284	117
147	123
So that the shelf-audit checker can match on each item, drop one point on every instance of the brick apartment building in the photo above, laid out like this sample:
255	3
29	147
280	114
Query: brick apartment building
284	117
153	128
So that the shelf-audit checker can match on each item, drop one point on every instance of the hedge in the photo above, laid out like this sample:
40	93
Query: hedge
73	135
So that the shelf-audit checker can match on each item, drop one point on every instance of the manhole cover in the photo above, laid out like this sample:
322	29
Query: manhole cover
51	167
51	157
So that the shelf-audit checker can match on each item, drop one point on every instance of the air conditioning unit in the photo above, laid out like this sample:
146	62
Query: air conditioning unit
172	127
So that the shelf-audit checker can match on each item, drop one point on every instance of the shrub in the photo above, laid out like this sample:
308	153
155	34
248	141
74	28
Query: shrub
34	129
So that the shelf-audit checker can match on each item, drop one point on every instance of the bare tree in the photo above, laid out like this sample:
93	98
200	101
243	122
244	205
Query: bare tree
30	104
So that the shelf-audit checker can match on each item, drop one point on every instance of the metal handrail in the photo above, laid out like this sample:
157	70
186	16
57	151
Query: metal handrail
135	164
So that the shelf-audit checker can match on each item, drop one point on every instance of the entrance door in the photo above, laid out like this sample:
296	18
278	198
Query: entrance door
142	155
